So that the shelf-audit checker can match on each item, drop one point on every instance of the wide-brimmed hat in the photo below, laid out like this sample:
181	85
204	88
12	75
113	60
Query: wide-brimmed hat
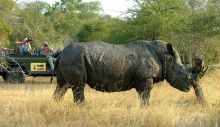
45	43
25	39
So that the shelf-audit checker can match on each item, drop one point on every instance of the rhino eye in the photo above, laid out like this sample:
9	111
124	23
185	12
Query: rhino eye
169	59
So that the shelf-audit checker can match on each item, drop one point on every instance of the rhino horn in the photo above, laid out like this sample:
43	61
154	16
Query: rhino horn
198	70
199	75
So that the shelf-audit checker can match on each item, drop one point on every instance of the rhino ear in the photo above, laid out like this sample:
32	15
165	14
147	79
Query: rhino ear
170	48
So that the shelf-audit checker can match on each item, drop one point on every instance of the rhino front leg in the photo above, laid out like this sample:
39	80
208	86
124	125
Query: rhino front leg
199	93
78	93
143	88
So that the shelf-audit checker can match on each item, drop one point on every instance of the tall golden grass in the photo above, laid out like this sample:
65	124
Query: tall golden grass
31	105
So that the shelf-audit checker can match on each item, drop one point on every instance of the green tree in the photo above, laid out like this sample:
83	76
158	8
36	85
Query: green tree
30	21
190	25
97	29
71	16
186	23
5	9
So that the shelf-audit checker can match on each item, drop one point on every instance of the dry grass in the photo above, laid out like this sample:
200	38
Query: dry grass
31	105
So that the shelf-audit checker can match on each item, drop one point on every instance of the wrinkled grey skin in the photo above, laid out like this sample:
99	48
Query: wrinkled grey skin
111	68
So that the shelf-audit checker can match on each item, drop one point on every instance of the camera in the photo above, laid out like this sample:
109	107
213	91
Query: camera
29	39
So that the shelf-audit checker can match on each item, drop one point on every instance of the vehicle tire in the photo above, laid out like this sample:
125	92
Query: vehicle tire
14	76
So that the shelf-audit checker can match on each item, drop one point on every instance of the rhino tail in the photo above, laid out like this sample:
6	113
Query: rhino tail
54	70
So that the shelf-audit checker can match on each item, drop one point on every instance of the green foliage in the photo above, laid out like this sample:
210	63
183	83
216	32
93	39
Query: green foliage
91	32
5	7
188	24
192	26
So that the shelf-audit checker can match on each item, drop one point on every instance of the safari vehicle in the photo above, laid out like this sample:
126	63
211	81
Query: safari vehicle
14	67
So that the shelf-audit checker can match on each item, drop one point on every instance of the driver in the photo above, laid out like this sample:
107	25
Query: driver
24	46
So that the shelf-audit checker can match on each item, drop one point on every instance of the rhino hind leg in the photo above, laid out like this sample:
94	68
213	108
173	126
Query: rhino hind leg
143	88
78	93
60	89
59	93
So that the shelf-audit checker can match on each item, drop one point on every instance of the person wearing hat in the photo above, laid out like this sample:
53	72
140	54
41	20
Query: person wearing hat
24	46
48	51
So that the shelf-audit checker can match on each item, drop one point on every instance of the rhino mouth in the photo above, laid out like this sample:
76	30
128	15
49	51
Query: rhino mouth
186	89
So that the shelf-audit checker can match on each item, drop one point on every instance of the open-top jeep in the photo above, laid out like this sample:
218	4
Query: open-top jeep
14	67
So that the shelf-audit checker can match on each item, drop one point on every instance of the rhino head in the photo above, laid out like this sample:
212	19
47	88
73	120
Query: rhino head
175	73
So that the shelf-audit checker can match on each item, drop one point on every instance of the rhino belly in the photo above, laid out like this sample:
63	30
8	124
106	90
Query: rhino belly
110	86
109	79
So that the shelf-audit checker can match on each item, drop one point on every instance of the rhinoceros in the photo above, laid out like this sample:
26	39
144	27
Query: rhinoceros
113	68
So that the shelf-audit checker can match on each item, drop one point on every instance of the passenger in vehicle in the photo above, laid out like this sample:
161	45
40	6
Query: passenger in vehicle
24	46
48	51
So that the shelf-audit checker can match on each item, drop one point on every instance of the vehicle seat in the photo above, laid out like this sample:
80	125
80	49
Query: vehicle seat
16	50
38	51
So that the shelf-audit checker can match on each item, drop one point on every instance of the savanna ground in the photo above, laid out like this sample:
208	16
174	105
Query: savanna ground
31	105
